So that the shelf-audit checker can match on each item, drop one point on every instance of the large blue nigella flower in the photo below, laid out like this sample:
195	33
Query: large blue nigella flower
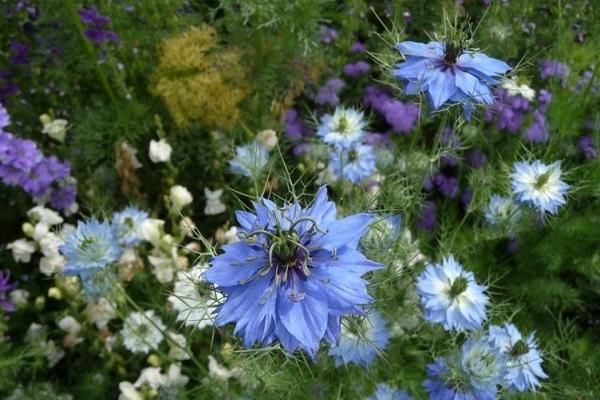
362	339
524	360
448	74
353	164
386	392
126	224
90	247
472	374
293	274
451	296
539	185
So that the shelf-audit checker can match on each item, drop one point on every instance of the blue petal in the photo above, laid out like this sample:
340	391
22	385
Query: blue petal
413	68
482	64
473	87
345	232
440	87
434	50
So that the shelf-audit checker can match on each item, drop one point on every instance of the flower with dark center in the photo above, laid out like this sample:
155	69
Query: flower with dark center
294	273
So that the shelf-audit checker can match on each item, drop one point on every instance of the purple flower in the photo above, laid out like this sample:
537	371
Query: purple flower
6	287
427	218
358	47
446	185
98	36
91	16
400	116
328	34
20	52
328	93
301	148
354	70
551	68
587	146
293	127
4	118
538	131
466	197
62	198
95	31
476	158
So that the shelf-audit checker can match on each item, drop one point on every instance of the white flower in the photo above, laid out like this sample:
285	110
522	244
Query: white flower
132	153
219	372
101	312
39	231
44	215
152	377
52	353
142	332
229	236
178	346
539	185
214	205
73	208
175	377
50	244
22	250
268	138
195	305
150	230
129	392
342	128
50	265
19	297
69	325
187	226
180	197
514	89
159	151
56	129
163	268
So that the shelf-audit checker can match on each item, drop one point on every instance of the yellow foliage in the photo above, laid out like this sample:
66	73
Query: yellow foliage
200	81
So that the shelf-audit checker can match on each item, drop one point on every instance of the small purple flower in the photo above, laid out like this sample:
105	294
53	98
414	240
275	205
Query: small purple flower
466	197
95	22
62	198
4	118
551	68
427	219
446	185
293	127
6	287
358	47
538	131
328	93
400	116
587	146
354	70
328	34
91	16
20	53
476	158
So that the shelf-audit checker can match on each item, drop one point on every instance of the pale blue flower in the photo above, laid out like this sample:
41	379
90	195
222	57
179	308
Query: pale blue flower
539	186
361	341
126	224
524	361
384	231
343	128
250	160
451	296
353	164
386	392
501	210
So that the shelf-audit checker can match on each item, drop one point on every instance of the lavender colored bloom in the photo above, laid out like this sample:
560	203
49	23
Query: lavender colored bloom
6	287
328	34
400	116
95	32
447	74
509	111
427	219
476	158
20	52
353	164
551	68
358	47
98	36
466	197
538	131
293	275
386	392
91	16
293	127
584	81
301	148
446	185
328	93
63	197
587	146
4	118
544	96
354	70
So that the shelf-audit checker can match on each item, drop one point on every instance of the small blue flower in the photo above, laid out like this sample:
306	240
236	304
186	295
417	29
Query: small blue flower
362	339
249	160
501	210
353	164
448	74
472	374
539	186
294	273
386	392
383	231
91	247
126	224
343	128
524	360
451	296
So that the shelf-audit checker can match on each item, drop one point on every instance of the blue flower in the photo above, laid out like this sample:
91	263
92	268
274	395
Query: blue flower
383	231
501	210
451	296
386	392
538	185
343	128
249	160
472	374
353	164
524	360
91	247
448	74
126	224
293	274
362	339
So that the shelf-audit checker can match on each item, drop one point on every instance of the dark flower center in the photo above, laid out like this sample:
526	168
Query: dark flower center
458	286
343	125
288	256
352	155
520	348
542	180
453	50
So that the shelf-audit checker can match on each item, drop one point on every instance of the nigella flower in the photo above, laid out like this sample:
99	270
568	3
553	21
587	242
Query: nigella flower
386	392
362	339
501	210
342	128
384	231
90	247
448	73
142	332
5	288
126	223
538	185
473	374
249	160
451	296
353	164
293	274
524	361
